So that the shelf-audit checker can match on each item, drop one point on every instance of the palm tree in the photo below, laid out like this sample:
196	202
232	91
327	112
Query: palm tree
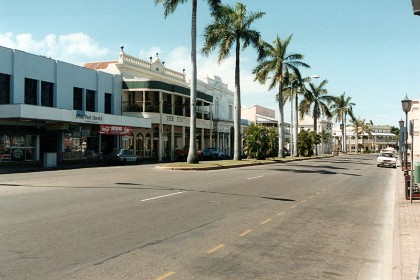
316	97
324	137
357	124
296	87
342	106
169	7
277	63
316	101
232	27
256	141
365	128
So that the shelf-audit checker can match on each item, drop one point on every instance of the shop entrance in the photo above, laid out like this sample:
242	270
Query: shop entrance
47	144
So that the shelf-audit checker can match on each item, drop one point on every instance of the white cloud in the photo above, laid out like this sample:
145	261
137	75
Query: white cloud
73	48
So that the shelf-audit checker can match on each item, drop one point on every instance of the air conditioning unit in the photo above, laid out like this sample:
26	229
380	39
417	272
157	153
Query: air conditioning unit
416	7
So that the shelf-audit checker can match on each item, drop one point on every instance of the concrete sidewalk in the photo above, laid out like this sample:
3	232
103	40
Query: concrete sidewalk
406	234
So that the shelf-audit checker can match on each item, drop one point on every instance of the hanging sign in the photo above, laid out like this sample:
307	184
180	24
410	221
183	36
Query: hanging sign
114	129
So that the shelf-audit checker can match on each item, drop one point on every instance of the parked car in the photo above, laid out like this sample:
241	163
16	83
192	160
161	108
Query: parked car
122	156
213	153
386	159
182	154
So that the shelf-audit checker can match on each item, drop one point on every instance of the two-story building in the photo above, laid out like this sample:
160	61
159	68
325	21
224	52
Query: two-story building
155	92
379	137
49	106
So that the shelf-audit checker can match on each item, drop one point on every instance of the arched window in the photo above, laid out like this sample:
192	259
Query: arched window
148	146
140	145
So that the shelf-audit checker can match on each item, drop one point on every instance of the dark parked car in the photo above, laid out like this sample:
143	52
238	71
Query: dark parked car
122	156
213	153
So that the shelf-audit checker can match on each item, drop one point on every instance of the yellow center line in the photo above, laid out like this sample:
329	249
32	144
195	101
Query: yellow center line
245	233
266	221
281	213
293	206
311	197
318	192
303	201
215	248
169	274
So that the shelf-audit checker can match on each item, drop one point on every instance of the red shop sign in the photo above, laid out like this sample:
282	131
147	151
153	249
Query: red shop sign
114	129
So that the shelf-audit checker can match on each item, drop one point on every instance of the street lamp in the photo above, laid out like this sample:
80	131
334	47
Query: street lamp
401	123
406	106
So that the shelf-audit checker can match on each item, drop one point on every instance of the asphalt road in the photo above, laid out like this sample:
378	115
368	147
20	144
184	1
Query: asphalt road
317	219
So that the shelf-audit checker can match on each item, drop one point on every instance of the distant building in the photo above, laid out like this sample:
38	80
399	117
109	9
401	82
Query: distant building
380	137
323	126
261	115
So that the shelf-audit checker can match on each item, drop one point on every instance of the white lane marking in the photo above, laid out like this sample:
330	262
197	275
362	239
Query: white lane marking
147	199
250	178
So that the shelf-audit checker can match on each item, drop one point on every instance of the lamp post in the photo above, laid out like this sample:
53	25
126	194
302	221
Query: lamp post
406	106
401	123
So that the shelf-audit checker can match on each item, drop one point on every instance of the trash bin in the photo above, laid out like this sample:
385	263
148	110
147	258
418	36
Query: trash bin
50	160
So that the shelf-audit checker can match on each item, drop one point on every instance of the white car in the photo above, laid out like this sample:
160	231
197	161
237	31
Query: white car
386	159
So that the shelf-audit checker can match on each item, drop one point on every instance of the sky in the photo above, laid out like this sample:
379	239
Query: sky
369	50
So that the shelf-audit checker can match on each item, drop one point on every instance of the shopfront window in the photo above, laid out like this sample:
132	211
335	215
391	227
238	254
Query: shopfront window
47	94
4	89
90	100
77	98
74	146
31	86
108	103
17	148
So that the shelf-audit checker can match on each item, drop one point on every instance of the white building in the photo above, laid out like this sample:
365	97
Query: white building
49	106
323	125
414	117
153	91
379	138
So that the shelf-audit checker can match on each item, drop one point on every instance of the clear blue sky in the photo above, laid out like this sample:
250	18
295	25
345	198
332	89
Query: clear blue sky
369	49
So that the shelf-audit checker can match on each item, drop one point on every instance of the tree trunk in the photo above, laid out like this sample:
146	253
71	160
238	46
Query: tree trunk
237	152
281	122
192	152
296	128
316	132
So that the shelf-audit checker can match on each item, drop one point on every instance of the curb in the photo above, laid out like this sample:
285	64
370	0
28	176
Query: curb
216	167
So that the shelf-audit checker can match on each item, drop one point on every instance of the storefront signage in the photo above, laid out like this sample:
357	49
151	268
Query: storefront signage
114	130
177	119
81	115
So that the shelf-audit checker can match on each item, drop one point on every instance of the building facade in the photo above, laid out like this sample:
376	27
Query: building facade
153	91
325	127
380	137
52	107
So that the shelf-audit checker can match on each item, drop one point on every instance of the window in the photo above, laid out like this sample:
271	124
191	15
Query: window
230	112
108	103
90	100
4	89
77	98
47	94
31	86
